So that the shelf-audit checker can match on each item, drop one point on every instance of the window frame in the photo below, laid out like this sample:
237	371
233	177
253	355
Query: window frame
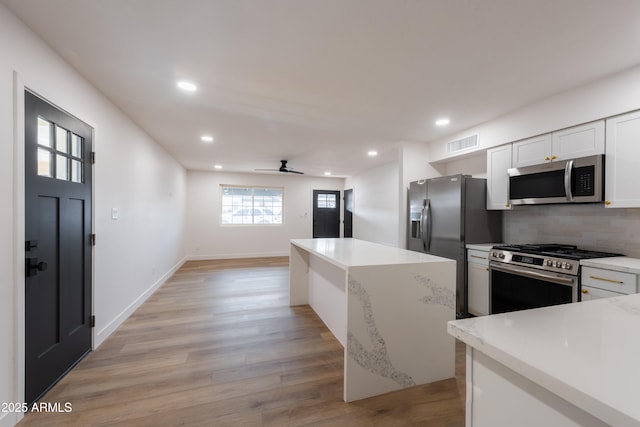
253	206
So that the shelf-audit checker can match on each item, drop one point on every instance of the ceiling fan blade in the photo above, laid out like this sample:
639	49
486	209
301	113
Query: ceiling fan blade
283	169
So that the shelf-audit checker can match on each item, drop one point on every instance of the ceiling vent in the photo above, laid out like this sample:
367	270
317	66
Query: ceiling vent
462	144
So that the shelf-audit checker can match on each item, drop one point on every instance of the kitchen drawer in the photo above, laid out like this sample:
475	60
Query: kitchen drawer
589	293
478	257
616	281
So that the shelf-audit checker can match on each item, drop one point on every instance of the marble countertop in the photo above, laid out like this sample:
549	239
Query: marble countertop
587	353
347	253
618	263
481	246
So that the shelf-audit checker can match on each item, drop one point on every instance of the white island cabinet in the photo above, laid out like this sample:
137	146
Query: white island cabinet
565	365
389	308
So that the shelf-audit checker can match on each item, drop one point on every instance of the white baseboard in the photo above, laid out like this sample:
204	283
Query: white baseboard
111	327
10	419
236	256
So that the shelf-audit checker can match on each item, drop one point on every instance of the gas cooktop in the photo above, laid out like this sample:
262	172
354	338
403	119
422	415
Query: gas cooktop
555	250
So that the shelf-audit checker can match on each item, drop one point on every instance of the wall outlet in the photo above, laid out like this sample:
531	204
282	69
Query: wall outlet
114	213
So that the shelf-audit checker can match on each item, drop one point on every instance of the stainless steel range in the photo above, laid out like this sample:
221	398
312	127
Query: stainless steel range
535	275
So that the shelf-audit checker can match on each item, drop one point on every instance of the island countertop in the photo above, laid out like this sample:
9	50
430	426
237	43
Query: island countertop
387	306
587	353
346	253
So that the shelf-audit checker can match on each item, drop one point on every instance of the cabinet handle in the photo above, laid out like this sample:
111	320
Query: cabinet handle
553	157
487	268
547	158
584	291
606	280
476	256
507	205
607	202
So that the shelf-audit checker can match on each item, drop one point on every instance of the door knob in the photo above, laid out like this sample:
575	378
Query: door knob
32	266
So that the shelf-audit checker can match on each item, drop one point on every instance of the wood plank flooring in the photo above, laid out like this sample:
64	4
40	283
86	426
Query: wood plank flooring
218	345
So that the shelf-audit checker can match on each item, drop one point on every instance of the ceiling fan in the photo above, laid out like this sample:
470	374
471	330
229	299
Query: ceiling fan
283	169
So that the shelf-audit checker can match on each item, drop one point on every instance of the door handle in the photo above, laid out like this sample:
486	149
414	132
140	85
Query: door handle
32	266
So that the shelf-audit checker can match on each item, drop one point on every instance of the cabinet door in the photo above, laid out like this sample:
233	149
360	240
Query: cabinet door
621	161
532	151
498	161
589	293
610	280
478	289
578	141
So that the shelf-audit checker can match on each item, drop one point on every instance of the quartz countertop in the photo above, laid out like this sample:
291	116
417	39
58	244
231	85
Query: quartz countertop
481	246
347	253
588	353
618	263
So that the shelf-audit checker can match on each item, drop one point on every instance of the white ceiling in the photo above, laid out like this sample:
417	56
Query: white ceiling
321	82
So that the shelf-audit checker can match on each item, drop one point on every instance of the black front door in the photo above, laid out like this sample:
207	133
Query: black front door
326	213
58	249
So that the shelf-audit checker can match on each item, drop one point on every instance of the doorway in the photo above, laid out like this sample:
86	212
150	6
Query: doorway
326	213
348	213
58	181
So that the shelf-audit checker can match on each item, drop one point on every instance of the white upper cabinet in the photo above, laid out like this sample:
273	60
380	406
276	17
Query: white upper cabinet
532	151
621	189
578	141
498	161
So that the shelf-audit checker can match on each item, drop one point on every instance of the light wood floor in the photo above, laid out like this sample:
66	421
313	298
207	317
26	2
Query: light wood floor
218	345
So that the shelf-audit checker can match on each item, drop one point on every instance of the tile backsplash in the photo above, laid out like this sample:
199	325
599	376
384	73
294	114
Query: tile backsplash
588	226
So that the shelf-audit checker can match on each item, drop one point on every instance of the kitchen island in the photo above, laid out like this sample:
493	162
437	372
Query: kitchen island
565	365
388	307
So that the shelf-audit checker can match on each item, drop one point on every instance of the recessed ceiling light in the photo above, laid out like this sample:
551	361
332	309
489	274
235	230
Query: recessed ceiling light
327	173
217	166
187	86
443	121
206	138
372	153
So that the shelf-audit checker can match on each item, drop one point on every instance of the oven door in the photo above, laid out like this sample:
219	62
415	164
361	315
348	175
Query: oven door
514	288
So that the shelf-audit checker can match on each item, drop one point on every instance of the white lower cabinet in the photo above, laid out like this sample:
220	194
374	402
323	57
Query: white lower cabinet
478	282
601	283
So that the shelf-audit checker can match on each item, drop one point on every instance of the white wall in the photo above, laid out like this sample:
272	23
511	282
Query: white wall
376	204
132	173
206	238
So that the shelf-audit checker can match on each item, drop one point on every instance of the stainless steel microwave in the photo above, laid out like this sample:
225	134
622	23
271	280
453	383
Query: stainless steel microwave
578	180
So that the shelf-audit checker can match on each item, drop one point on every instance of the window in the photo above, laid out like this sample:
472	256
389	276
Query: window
251	205
59	152
326	201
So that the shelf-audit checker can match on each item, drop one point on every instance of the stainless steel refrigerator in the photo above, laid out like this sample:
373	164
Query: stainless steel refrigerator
445	214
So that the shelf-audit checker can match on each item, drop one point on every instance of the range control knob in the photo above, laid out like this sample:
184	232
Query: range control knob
494	254
567	266
501	256
558	264
549	263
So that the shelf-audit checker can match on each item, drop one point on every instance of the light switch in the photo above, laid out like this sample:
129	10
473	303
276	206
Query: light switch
114	213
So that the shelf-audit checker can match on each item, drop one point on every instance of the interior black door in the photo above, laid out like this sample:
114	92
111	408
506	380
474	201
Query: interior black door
58	175
348	213
326	213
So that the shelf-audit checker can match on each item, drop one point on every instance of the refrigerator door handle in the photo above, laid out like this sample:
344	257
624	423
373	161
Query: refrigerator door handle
427	209
423	227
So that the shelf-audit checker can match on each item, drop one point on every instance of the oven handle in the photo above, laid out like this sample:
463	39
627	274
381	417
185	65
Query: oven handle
535	275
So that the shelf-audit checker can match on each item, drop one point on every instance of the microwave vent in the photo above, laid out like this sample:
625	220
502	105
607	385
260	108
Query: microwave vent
462	144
